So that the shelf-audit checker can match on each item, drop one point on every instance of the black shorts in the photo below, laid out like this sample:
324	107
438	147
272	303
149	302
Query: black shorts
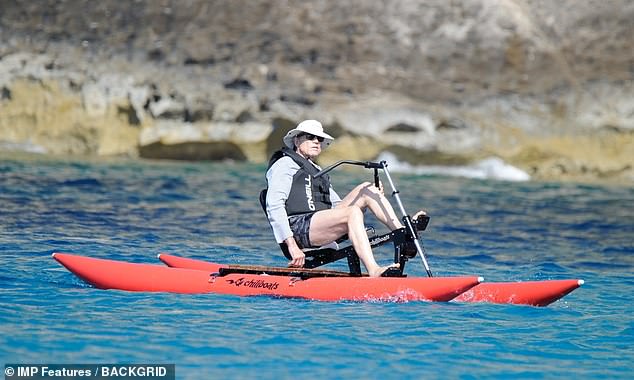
300	225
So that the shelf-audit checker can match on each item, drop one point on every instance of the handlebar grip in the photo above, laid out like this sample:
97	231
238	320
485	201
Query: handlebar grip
374	165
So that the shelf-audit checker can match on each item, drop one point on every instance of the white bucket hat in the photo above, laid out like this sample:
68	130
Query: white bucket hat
312	127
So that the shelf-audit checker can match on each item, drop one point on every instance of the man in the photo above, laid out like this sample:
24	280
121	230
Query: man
305	212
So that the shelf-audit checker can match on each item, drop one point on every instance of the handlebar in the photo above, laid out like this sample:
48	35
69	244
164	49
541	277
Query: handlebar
365	164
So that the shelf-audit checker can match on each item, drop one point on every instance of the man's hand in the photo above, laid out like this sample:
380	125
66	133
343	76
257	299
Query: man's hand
298	257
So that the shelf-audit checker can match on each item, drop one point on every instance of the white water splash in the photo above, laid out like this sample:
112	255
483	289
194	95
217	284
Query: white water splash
27	147
489	168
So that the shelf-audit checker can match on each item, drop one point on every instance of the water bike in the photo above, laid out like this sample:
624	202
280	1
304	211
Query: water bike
186	275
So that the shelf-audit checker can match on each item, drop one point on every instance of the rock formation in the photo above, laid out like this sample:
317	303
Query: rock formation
546	86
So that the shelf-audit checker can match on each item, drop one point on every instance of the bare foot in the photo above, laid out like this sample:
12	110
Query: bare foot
379	270
421	212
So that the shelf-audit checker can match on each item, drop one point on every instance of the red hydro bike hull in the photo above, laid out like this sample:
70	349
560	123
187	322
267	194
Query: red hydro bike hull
111	274
534	293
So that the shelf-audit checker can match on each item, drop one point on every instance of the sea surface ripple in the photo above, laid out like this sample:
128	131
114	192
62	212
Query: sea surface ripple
132	210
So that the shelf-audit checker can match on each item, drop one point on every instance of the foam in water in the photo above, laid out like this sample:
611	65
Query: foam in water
27	147
489	168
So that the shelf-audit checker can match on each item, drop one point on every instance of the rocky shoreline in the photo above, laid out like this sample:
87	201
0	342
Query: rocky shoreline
556	113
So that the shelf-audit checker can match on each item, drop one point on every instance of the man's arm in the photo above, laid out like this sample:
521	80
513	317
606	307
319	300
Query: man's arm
280	180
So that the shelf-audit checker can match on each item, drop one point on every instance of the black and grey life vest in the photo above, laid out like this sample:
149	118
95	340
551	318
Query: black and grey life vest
308	194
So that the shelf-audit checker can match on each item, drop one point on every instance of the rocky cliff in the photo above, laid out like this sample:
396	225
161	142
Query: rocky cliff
546	86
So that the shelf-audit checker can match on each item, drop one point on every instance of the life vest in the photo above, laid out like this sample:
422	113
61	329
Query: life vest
308	194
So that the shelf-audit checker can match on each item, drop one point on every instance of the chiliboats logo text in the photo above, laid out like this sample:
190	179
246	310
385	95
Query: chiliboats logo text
256	284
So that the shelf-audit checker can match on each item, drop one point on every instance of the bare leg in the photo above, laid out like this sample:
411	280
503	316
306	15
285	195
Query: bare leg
366	195
329	225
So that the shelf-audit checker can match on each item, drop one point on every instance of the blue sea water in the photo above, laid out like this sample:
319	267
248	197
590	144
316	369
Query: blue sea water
132	210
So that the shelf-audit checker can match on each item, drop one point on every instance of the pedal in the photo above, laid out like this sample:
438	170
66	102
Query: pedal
392	272
421	222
